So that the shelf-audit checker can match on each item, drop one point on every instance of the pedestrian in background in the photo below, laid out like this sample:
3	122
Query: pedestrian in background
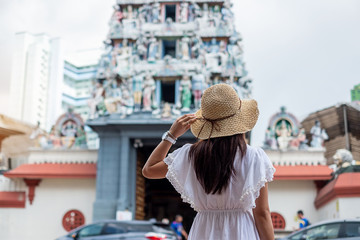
178	227
220	176
303	222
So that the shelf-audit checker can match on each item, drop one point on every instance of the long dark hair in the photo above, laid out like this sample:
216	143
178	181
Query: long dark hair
213	161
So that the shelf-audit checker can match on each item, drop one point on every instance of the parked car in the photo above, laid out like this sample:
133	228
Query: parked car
116	230
335	229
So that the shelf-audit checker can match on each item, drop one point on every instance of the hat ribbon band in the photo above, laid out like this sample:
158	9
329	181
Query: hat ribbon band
214	122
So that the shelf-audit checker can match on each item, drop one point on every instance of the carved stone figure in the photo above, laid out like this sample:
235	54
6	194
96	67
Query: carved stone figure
127	104
138	83
166	113
114	97
318	135
270	140
80	140
216	15
236	52
54	138
149	92
155	12
123	60
129	14
153	49
185	90
284	135
299	142
227	16
141	47
245	87
198	86
98	95
184	12
214	47
185	48
194	11
196	46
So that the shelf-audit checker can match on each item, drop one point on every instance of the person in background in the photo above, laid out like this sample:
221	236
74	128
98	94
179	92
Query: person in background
303	222
178	227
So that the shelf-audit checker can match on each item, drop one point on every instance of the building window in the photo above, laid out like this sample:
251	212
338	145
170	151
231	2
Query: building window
277	220
169	48
168	92
170	12
73	219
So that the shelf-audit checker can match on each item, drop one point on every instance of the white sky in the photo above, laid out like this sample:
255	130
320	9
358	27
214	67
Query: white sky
304	54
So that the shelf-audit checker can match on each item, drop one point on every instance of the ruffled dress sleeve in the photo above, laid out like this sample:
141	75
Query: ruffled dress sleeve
180	173
258	170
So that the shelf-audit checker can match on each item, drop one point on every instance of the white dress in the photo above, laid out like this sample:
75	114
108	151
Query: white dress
225	216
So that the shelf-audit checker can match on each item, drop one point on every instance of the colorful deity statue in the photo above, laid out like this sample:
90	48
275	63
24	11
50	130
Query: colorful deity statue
149	93
113	99
284	135
96	100
80	140
185	90
318	135
138	84
299	142
270	140
198	86
123	59
127	103
54	138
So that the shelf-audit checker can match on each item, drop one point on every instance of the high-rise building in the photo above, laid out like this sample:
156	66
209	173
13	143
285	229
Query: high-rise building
355	93
36	83
79	79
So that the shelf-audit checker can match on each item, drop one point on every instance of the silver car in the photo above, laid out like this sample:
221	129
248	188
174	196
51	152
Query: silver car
124	230
335	229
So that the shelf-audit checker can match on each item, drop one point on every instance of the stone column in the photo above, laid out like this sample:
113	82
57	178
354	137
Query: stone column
107	178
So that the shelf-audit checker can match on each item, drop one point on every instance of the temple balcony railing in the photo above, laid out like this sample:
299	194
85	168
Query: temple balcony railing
297	157
140	2
159	68
38	155
11	185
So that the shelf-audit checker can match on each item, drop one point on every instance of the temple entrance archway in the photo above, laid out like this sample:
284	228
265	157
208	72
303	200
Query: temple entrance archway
158	199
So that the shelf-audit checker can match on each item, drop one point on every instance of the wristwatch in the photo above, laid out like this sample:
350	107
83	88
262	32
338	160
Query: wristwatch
168	137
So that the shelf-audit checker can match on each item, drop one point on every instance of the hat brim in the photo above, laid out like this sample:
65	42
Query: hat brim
243	121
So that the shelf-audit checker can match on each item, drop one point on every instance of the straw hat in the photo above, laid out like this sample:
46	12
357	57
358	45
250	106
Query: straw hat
223	113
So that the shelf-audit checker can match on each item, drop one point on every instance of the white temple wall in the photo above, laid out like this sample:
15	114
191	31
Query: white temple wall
288	196
43	219
341	208
349	207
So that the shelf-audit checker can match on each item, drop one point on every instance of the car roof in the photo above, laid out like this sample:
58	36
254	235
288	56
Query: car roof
124	221
326	222
336	221
132	222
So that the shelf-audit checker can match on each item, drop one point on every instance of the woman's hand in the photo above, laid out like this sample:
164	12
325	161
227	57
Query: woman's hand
182	124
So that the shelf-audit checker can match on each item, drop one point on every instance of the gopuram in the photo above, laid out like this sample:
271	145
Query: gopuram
159	57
